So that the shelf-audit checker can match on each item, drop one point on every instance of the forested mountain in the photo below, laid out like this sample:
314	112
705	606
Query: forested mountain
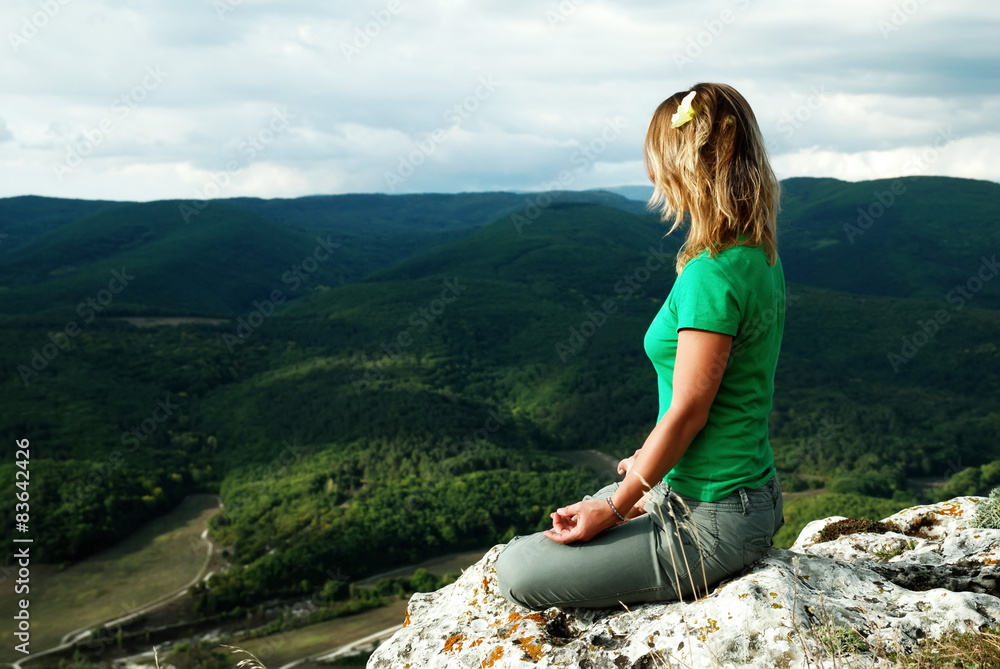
906	237
213	258
403	403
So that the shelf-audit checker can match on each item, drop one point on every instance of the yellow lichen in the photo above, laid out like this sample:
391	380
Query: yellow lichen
495	655
951	510
532	650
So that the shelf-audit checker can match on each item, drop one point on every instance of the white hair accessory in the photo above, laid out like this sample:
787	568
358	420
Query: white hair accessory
684	111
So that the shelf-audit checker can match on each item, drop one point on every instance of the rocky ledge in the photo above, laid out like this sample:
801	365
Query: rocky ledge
850	595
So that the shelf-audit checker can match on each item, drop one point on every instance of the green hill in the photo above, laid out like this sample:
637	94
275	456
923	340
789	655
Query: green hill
907	237
220	259
218	264
406	391
25	218
410	409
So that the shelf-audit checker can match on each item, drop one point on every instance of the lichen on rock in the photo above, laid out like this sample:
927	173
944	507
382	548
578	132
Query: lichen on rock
849	595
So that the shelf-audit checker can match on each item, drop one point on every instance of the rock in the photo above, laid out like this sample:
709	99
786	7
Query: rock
789	609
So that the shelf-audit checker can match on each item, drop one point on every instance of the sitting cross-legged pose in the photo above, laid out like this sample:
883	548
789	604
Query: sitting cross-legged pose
699	500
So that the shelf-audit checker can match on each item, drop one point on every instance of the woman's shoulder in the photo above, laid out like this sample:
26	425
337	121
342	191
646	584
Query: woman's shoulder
746	254
738	257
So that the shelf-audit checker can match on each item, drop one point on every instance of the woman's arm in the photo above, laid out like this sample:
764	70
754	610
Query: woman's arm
698	367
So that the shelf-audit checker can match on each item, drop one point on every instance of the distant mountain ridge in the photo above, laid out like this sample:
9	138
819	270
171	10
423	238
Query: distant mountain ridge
912	236
59	251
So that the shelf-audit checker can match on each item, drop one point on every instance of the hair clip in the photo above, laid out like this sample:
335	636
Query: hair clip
684	111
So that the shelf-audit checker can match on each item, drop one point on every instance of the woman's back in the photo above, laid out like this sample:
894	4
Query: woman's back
736	293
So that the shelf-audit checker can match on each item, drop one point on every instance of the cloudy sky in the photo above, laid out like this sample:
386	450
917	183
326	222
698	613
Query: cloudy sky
155	99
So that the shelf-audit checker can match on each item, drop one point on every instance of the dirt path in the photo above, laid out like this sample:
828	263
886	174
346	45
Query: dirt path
442	565
346	649
82	633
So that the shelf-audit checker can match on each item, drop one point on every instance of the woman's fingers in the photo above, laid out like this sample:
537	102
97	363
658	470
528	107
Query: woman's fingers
576	522
565	525
560	524
565	536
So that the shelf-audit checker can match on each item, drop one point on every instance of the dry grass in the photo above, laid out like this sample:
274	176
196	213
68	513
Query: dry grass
847	648
160	557
249	662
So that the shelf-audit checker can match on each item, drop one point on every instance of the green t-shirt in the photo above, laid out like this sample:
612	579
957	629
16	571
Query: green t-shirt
739	294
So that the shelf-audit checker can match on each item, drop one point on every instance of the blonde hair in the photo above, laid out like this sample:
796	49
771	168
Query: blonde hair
715	168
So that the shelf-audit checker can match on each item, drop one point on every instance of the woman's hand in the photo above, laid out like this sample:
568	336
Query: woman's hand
581	521
638	509
625	465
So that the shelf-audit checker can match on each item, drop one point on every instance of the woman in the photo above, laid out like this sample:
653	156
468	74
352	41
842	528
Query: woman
699	501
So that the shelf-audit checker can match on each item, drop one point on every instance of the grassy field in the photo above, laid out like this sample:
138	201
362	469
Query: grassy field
279	649
161	557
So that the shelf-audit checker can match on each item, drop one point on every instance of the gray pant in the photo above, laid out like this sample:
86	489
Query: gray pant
678	549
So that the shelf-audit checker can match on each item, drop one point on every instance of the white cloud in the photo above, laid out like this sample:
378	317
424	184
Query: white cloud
837	93
970	157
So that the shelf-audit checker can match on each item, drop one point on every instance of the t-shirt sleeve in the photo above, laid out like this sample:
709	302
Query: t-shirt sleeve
706	299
